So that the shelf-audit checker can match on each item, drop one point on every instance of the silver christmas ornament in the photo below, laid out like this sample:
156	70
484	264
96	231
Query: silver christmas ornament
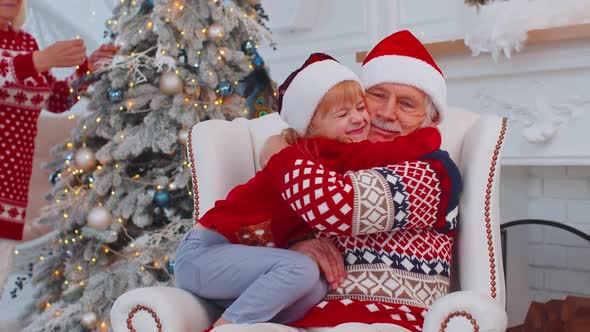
85	159
182	136
89	320
170	83
215	31
99	218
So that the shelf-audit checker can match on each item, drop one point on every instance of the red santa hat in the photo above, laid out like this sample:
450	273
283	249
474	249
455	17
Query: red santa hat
401	58
303	90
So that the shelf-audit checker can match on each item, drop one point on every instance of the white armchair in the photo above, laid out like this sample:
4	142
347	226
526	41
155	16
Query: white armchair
224	154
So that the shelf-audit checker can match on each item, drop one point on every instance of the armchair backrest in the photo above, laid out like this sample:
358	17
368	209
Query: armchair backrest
224	154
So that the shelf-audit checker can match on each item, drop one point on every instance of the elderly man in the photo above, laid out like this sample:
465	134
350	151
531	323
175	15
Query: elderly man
393	276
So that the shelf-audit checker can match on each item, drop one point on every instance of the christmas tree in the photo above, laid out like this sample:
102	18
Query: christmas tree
122	195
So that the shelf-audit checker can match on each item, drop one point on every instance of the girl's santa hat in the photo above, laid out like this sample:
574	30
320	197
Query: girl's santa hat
401	58
302	91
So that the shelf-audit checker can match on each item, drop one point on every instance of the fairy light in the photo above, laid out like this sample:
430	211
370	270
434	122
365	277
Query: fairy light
103	325
150	25
81	283
66	241
121	108
132	245
182	33
57	313
99	167
137	254
76	231
16	252
120	220
142	268
47	305
79	268
112	193
69	145
66	282
93	260
98	120
65	216
156	264
116	165
131	84
159	187
56	273
106	250
84	127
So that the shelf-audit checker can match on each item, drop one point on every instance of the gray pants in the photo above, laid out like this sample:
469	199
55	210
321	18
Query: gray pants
254	284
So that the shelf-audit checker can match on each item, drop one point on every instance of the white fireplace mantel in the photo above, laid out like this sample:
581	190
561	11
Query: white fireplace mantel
545	93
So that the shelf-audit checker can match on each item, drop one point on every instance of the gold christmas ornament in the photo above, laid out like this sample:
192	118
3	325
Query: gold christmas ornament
170	83
99	218
85	159
89	320
253	2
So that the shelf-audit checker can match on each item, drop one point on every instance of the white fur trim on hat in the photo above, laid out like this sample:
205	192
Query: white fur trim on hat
307	90
409	71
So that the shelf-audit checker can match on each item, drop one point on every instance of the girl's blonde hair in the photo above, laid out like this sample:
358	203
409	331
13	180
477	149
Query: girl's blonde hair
345	92
20	19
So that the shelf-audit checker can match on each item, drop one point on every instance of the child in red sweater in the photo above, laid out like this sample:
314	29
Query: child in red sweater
235	255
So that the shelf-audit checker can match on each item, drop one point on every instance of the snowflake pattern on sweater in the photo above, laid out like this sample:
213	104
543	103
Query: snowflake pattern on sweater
23	94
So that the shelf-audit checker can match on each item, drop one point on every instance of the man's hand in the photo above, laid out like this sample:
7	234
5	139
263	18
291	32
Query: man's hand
327	256
99	57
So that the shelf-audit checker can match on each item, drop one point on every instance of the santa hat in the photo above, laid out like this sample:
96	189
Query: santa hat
401	58
303	90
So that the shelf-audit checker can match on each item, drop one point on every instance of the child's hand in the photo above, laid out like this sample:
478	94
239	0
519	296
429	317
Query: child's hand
99	57
65	53
272	146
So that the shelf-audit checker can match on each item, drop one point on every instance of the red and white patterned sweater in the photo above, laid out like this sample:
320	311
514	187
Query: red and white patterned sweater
395	226
23	94
255	214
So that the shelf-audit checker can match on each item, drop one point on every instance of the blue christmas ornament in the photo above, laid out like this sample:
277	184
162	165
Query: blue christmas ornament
55	176
224	89
150	3
115	95
257	61
162	198
249	47
170	266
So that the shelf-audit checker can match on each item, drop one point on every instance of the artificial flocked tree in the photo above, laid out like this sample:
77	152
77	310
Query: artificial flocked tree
122	194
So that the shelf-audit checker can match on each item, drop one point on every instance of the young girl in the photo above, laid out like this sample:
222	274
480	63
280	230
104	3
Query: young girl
235	256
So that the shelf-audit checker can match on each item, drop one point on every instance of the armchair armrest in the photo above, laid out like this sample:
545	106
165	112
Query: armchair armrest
465	311
161	309
479	249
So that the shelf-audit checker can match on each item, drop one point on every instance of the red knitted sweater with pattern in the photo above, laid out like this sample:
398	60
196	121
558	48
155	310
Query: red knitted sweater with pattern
23	94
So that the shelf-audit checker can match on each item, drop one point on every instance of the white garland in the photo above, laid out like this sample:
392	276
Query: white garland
502	26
